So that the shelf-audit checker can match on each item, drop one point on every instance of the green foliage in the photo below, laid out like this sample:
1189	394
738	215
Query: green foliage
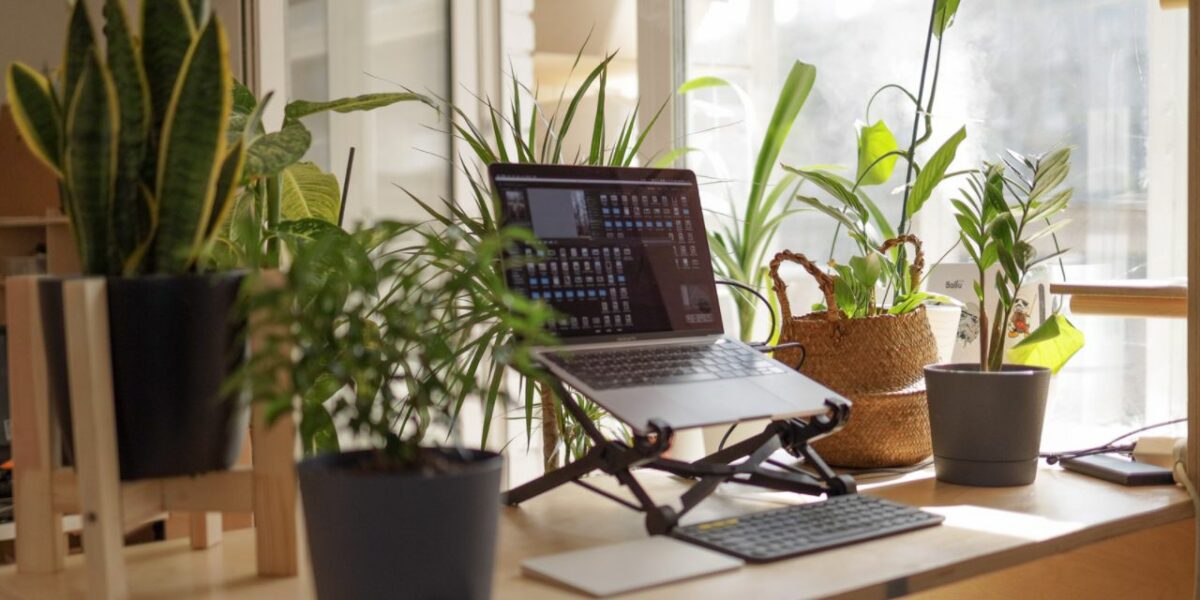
135	133
526	133
740	243
997	216
851	208
385	338
281	186
1051	345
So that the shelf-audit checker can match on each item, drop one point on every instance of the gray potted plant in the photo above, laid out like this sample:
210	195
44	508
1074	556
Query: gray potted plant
383	328
986	417
135	130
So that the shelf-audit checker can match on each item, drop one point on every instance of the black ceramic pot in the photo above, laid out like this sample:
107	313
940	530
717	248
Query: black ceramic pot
986	426
50	302
401	534
175	340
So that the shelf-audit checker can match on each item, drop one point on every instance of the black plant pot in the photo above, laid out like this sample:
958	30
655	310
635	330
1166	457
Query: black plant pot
50	302
174	340
376	533
986	426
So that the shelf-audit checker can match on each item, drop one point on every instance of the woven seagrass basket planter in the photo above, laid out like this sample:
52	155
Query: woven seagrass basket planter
877	362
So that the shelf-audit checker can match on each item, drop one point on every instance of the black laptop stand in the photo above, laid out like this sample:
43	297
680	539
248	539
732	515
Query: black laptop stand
617	458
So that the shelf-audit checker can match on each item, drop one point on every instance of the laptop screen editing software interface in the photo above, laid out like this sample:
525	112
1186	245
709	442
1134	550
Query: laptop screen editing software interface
625	251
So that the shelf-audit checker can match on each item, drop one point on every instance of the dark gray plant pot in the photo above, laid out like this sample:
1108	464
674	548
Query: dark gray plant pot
174	340
401	533
986	426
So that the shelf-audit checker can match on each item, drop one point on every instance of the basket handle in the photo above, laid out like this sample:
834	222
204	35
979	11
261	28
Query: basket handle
825	282
918	266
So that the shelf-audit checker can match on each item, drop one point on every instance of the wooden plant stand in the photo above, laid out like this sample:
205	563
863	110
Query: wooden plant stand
44	490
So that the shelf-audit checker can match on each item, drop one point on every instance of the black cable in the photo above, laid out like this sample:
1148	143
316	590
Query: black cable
757	294
1108	447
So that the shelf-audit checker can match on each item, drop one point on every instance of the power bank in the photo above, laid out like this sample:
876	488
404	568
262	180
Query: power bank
1119	470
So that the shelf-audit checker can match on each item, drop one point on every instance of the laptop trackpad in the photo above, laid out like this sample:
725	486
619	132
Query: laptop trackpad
732	400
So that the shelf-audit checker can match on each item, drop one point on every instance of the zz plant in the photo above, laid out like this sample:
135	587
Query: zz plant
1008	207
135	132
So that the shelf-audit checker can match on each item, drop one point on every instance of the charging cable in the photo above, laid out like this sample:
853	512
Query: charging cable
1110	447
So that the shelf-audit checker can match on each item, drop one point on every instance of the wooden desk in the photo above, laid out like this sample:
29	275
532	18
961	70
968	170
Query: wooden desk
1130	298
986	530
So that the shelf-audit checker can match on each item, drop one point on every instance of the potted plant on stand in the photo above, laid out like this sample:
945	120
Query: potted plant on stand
135	131
384	328
986	417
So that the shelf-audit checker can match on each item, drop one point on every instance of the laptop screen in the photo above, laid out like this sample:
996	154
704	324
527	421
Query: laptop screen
625	253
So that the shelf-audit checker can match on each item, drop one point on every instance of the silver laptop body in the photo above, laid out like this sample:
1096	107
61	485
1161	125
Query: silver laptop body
625	261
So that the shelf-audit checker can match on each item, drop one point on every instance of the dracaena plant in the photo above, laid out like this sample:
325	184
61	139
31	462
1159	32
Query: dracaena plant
741	239
135	132
1007	210
374	329
278	186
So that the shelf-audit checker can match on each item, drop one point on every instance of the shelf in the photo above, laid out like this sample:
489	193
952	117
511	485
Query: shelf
1128	298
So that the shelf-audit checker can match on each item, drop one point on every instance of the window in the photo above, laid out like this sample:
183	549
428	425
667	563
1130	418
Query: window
352	47
1106	77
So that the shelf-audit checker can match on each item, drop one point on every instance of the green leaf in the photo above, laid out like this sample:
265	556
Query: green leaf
199	10
193	150
34	113
129	80
91	164
699	83
167	33
934	172
81	40
309	193
668	160
791	99
943	17
874	143
1051	345
303	108
275	151
227	187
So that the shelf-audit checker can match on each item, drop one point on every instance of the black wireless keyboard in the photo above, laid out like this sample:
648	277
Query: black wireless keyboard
805	528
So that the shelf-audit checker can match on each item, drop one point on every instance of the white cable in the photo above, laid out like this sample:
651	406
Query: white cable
1182	477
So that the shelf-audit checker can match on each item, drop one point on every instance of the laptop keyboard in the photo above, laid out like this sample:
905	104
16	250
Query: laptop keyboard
666	364
804	528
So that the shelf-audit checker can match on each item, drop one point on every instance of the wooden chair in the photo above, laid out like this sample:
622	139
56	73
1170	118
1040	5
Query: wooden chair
44	490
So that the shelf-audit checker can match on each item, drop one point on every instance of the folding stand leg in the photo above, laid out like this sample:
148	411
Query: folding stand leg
41	545
592	461
97	469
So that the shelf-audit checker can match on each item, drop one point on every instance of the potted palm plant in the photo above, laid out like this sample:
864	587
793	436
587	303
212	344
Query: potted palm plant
135	131
384	329
986	417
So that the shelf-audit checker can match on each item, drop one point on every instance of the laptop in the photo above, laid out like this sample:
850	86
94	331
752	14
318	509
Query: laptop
624	260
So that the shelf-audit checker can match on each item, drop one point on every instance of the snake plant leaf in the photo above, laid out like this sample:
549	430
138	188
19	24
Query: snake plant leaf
933	172
943	17
1051	345
81	39
199	9
91	162
133	94
193	150
275	151
303	108
35	115
228	181
167	33
667	160
309	193
876	160
147	221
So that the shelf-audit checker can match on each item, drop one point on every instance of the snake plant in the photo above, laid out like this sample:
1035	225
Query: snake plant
134	130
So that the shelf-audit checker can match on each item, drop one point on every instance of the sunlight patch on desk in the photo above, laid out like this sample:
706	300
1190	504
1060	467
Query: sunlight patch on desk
1003	522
